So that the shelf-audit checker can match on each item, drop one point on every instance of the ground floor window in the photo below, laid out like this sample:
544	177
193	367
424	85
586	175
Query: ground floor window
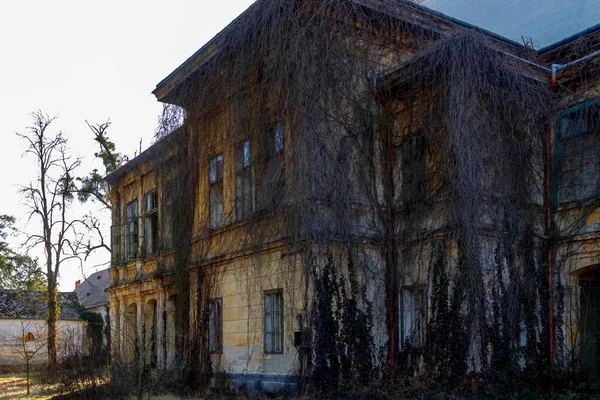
413	315
215	325
274	321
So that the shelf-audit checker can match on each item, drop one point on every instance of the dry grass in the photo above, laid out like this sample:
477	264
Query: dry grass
14	386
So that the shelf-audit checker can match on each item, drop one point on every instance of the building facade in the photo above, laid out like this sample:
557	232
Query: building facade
432	181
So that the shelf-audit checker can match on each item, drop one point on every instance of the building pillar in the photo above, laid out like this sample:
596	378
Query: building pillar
193	279
114	324
170	335
122	340
160	329
139	321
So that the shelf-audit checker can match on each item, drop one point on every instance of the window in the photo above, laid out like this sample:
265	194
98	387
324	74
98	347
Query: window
413	315
215	325
270	193
244	187
578	147
131	233
413	167
274	321
216	192
29	337
150	223
168	214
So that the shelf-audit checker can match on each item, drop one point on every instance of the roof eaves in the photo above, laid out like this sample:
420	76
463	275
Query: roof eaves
555	46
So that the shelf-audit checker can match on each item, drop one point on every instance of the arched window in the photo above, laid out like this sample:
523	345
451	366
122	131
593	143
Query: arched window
29	337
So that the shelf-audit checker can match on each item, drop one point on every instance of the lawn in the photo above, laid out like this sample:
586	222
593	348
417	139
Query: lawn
14	386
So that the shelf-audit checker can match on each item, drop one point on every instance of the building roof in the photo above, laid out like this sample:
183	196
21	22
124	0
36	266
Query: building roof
91	291
24	304
545	22
427	18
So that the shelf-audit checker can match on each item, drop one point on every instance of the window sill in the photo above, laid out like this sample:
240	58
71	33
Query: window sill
570	205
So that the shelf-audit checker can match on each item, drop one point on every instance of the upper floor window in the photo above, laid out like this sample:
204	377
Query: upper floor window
244	181
150	222
131	232
413	315
215	325
274	321
271	190
216	192
578	147
168	214
414	167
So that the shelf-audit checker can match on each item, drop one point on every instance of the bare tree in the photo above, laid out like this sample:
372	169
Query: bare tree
29	341
49	199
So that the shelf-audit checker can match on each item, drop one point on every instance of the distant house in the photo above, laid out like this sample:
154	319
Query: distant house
23	326
91	292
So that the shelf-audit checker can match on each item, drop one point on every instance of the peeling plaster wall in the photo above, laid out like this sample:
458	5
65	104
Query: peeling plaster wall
70	335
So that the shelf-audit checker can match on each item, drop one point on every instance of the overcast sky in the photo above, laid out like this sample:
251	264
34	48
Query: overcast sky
84	60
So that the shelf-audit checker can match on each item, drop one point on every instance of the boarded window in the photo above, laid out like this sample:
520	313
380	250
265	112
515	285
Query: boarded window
215	325
216	192
413	315
579	153
413	167
271	191
274	321
150	223
131	232
244	181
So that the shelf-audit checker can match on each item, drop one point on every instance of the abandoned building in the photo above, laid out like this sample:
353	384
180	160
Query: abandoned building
360	189
23	327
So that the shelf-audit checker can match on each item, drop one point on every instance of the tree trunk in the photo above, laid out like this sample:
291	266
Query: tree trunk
27	367
52	318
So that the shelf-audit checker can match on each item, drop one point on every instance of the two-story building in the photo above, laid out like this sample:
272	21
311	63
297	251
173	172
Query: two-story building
359	181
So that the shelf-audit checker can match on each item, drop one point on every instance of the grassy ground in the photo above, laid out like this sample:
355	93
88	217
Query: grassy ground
14	386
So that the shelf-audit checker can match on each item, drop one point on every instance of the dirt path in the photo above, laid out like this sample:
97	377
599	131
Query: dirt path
14	386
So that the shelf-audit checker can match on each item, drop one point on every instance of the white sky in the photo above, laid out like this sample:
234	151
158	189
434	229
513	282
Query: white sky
84	60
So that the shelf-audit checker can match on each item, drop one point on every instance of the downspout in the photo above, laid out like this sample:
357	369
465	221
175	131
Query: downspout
392	292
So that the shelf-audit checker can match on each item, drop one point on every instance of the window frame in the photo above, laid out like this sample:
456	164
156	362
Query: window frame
151	218
244	208
168	233
132	237
270	194
406	335
413	183
560	140
213	184
278	335
217	301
